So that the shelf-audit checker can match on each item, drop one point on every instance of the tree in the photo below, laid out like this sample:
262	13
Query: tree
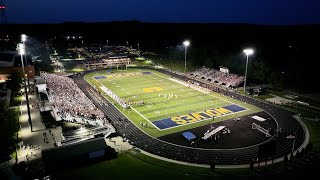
291	157
309	147
212	166
251	165
298	154
285	160
15	81
9	126
303	151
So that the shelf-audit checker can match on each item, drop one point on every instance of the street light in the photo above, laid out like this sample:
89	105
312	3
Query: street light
248	52
21	51
186	44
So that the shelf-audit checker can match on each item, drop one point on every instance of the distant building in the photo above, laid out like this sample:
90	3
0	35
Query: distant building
41	84
11	61
75	155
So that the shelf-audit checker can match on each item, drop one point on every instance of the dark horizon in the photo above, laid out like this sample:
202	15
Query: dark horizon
147	22
266	12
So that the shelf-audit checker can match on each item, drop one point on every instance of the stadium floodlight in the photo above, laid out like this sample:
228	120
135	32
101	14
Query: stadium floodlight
248	52
23	37
186	44
23	40
22	51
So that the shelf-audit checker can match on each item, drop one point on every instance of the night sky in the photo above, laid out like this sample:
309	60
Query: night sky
275	12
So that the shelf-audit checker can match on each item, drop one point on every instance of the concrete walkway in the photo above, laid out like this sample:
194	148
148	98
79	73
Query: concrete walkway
40	138
118	144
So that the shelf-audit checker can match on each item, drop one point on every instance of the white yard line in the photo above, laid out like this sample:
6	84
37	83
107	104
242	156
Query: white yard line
145	118
185	84
132	109
197	89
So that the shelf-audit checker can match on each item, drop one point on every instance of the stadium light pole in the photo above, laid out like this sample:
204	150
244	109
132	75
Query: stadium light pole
21	50
186	44
24	39
248	52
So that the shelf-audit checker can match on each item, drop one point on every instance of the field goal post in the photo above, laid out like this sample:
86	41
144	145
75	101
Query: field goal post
261	129
277	132
122	67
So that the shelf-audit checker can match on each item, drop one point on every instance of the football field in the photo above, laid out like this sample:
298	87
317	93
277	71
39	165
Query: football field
160	104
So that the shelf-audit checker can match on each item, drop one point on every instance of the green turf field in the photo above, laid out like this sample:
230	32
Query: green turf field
154	90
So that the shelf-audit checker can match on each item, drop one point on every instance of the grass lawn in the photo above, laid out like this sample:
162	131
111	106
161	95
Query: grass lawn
140	59
77	69
135	165
142	62
264	96
16	100
151	89
314	128
125	167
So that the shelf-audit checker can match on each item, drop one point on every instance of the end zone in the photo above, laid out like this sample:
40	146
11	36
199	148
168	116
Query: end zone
197	117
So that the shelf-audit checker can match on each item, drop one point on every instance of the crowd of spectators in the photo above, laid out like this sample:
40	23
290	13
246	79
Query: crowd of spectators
69	101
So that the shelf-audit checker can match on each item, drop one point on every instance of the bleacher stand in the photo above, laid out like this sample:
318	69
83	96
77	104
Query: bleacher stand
215	76
70	103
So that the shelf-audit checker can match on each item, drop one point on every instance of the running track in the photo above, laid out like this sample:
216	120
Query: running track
196	155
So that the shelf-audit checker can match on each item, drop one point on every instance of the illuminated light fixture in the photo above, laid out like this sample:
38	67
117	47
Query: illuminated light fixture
186	43
21	49
248	52
23	37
